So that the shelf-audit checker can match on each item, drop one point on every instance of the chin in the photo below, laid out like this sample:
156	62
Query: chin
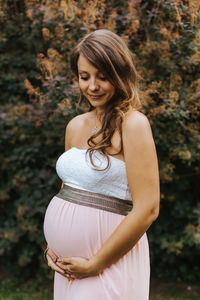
98	105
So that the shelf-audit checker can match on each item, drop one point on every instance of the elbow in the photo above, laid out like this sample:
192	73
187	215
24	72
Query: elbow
155	207
154	211
149	212
154	214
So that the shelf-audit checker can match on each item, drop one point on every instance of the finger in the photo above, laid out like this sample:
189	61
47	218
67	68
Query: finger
66	260
66	276
53	266
52	255
70	277
65	267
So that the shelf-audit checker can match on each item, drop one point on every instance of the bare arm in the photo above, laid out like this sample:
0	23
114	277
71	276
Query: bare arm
142	172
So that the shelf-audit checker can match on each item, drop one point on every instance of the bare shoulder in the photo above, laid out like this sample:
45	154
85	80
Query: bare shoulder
137	136
138	143
74	128
77	122
136	122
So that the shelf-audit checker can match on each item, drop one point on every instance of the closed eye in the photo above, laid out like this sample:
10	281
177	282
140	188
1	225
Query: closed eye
103	78
84	78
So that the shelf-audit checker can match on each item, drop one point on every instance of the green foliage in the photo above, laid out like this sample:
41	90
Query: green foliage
38	98
13	289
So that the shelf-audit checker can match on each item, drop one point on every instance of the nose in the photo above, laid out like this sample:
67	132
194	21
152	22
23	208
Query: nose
93	84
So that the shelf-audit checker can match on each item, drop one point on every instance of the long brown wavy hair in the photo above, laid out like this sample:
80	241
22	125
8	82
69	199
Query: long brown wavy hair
108	52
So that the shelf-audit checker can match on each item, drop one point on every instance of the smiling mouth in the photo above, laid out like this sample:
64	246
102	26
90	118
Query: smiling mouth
96	96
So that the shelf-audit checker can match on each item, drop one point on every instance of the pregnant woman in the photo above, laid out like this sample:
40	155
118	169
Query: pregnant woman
95	227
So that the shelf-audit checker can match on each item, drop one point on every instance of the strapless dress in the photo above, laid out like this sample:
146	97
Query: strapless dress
75	230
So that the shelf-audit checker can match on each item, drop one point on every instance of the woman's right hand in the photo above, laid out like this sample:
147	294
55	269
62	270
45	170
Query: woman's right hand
51	261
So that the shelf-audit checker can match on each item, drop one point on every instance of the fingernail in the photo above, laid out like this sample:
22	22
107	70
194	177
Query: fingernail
59	260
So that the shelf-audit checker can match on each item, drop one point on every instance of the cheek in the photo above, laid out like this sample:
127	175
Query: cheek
111	89
82	86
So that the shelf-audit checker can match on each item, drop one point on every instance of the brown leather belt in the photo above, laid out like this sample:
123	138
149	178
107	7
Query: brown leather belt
99	201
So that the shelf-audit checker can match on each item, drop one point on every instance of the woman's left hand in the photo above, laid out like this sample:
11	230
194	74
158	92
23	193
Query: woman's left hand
78	267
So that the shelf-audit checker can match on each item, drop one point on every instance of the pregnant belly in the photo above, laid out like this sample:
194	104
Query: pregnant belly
75	230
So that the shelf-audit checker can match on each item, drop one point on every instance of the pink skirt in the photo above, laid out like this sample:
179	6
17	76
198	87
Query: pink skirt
75	230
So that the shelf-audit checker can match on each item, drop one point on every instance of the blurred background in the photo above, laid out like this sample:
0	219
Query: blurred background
38	97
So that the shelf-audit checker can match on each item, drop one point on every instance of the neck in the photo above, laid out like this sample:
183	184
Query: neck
99	113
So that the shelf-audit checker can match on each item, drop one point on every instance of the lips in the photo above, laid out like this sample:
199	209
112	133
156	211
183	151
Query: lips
96	96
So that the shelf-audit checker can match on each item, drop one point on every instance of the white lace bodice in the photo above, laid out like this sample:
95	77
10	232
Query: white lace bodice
75	169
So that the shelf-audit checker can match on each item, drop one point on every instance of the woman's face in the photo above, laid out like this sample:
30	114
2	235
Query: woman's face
93	84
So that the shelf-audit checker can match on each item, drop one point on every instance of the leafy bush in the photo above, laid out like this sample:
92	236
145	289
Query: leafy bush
38	96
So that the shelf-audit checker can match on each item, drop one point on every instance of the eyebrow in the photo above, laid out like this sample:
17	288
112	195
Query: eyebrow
81	71
85	72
